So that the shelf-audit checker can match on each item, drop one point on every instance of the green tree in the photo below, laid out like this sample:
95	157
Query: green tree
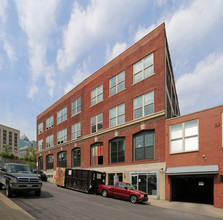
31	157
7	152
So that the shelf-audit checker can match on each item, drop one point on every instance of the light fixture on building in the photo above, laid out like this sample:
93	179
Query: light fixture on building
161	170
204	157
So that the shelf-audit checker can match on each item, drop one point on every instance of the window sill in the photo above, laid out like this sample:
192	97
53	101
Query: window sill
143	79
185	152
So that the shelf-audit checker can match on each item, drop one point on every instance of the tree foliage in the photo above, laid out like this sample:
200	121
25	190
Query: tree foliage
31	157
7	152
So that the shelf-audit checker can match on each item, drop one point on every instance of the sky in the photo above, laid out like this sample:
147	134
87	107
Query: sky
49	47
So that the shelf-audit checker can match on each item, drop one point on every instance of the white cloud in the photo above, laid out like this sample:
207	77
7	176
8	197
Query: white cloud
100	19
4	5
9	51
81	73
37	20
32	91
142	31
1	62
202	87
115	51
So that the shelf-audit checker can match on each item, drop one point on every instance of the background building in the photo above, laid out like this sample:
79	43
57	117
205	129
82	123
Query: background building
114	121
10	136
25	143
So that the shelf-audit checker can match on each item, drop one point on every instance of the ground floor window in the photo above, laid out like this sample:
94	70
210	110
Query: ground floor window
62	159
49	162
111	178
40	163
117	150
146	182
76	157
97	154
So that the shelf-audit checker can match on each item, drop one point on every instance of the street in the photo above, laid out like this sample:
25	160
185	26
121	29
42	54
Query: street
61	203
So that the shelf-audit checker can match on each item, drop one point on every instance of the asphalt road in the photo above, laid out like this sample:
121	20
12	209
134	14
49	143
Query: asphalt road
64	204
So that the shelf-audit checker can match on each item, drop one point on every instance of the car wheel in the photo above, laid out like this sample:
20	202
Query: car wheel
133	199
8	190
38	192
104	193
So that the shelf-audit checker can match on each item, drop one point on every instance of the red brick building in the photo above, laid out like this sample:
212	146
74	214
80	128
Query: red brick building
114	121
194	157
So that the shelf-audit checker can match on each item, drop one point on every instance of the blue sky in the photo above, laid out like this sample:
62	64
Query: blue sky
48	47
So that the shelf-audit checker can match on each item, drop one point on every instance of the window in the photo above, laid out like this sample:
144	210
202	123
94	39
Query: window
62	115
184	137
221	178
49	141
4	136
97	154
62	159
49	122
40	144
143	68
40	128
144	145
144	105
15	140
76	157
40	163
117	115
49	162
10	138
76	106
76	130
117	150
62	136
97	95
96	123
117	83
111	179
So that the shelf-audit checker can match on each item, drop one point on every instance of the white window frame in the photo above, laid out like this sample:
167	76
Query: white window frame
97	94
117	83
40	145
97	122
117	115
76	130
40	128
183	137
143	68
75	107
49	122
49	141
143	104
62	136
62	115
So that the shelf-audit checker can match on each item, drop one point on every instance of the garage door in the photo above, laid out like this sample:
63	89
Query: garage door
193	188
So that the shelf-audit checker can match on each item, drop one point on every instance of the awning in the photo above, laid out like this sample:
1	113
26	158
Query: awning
192	170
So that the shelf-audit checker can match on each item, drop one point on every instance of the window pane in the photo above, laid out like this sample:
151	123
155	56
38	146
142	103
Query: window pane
138	77
137	67
100	97
121	109
191	128
112	122
191	144
176	131
121	119
176	146
93	101
149	152
100	118
112	113
148	71
121	86
152	184
148	109
112	81
149	139
138	102
78	109
93	120
93	128
139	154
138	113
100	126
79	101
100	89
139	141
148	98
93	93
121	76
113	90
114	146
148	60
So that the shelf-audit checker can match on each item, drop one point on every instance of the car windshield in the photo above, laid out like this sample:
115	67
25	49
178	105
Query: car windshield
131	187
14	168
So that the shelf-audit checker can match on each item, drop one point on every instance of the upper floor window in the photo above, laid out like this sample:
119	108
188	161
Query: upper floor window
144	105
76	157
40	163
10	138
184	137
96	123
117	83
62	136
97	154
49	161
40	128
76	106
117	115
15	140
49	141
144	145
62	159
40	144
49	122
4	136
62	115
97	95
117	150
76	130
143	68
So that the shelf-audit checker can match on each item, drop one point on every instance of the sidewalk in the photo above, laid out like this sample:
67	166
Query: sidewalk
10	211
195	208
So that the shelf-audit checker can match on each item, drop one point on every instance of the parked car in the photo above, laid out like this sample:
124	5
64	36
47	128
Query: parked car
124	191
41	174
18	177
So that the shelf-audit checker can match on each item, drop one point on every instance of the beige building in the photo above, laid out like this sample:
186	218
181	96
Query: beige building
10	136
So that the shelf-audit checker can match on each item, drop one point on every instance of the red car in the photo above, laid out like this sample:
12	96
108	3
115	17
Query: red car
124	191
